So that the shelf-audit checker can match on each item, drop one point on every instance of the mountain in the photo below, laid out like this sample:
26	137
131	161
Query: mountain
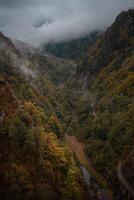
44	97
101	97
74	49
35	162
57	69
112	47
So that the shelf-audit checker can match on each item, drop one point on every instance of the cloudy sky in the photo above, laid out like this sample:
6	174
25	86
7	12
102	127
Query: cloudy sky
42	21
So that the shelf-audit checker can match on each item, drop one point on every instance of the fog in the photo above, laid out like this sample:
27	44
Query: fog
44	21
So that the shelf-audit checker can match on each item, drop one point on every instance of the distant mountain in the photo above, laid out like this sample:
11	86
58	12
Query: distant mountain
43	96
74	49
57	69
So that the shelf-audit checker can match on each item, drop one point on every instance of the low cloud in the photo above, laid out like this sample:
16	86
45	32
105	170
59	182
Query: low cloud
44	21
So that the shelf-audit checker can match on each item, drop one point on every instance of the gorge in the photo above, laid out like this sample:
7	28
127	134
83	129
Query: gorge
66	123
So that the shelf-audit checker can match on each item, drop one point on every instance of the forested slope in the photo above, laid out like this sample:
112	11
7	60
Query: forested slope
34	163
43	97
101	93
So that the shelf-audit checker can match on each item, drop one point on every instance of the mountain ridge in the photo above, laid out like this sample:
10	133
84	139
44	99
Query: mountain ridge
74	49
101	98
42	97
113	40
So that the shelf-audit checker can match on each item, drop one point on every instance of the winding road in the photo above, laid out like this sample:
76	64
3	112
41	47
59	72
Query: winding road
123	180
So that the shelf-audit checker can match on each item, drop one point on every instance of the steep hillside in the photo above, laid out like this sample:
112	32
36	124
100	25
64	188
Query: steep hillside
35	162
101	95
111	48
57	69
43	97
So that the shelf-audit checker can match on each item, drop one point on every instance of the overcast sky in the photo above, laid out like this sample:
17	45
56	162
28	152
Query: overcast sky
40	21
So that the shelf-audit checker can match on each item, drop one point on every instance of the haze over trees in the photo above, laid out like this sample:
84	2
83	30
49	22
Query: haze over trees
85	89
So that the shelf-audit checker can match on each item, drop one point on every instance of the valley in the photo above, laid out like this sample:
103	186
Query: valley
66	123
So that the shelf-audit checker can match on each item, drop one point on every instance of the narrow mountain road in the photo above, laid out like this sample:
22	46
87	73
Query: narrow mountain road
78	149
123	180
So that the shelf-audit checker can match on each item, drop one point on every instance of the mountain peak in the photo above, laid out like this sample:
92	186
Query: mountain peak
124	22
115	44
126	15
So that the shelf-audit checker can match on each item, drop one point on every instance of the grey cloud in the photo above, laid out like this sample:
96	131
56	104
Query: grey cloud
39	21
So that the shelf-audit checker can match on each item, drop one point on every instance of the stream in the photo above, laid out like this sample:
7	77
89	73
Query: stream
78	149
86	166
86	175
